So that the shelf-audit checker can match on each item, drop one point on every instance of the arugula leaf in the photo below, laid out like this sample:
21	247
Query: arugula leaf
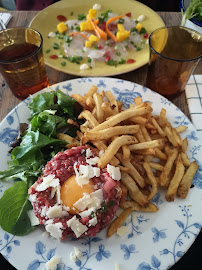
14	205
66	103
19	172
29	149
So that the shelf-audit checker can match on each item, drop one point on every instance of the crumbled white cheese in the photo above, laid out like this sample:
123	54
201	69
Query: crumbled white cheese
141	18
93	221
92	200
81	175
51	34
77	227
66	208
33	219
52	263
122	230
96	171
114	172
49	221
84	67
75	254
117	266
48	181
55	230
58	194
87	212
88	153
43	211
32	198
97	6
83	202
53	190
93	161
56	212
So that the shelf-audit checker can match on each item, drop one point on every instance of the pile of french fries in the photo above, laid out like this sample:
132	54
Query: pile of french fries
148	150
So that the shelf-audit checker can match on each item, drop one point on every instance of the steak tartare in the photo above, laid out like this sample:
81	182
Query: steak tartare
73	197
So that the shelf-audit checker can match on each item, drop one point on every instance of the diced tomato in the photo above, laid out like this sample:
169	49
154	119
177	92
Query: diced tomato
100	47
112	26
128	14
103	26
145	35
53	56
130	61
107	58
61	18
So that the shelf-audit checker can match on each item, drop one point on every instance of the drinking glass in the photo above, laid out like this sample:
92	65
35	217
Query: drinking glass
21	61
174	53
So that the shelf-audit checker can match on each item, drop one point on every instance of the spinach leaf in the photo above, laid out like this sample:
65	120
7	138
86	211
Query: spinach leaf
14	205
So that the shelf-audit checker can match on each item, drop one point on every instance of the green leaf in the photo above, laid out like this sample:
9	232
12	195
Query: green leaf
14	205
66	103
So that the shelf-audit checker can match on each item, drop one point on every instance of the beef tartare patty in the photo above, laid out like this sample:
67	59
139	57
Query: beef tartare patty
73	197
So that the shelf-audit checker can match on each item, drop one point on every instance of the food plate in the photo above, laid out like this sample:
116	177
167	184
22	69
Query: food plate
46	21
154	240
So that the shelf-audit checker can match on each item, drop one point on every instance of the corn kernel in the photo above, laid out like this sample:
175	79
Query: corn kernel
92	13
139	27
122	35
94	38
88	43
62	27
86	26
120	27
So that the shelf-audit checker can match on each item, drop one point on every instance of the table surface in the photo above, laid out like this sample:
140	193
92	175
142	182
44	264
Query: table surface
8	102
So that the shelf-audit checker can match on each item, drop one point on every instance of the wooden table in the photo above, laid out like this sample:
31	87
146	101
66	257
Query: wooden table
8	102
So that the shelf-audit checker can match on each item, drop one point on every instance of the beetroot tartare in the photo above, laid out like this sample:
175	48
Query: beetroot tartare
73	197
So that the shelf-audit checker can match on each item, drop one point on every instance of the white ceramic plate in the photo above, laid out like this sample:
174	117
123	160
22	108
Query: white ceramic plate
154	240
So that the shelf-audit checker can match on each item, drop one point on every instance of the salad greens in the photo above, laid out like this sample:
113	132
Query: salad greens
49	113
193	11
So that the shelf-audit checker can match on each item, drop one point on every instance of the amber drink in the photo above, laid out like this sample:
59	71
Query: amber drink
22	62
174	53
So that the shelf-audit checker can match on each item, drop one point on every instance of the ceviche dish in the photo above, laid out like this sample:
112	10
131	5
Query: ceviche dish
98	36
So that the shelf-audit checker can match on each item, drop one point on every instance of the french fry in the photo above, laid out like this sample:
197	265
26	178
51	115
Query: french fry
148	158
145	145
126	152
149	151
81	100
136	207
123	169
176	136
175	181
67	138
102	147
185	159
139	120
145	133
98	103
114	120
184	145
140	136
124	191
91	92
181	129
163	113
134	191
90	103
170	136
138	100
120	104
168	166
107	109
151	179
133	171
185	184
88	116
112	101
159	154
108	133
113	148
158	128
118	221
156	166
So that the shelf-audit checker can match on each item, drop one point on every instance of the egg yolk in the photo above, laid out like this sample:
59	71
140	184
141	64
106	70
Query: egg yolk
71	192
